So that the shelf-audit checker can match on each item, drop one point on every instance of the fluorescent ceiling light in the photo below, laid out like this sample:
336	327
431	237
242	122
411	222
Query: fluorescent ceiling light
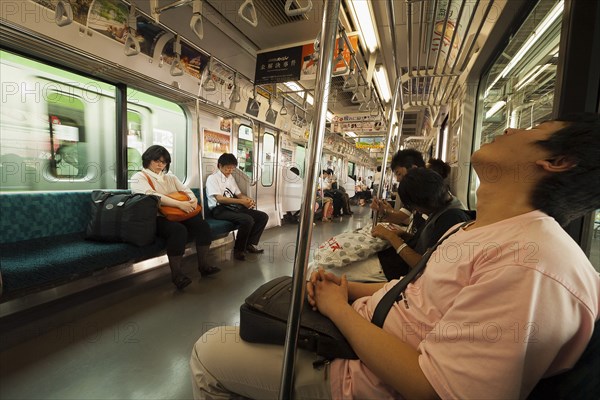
495	108
526	81
535	36
361	11
297	88
351	134
329	116
382	83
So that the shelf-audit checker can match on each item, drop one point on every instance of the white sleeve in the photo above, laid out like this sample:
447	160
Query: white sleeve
181	187
139	184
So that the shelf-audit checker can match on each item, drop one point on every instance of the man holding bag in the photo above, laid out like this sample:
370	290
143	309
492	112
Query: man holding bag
227	202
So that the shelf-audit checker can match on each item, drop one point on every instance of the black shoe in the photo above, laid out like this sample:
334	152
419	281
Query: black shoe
181	282
254	249
239	255
209	271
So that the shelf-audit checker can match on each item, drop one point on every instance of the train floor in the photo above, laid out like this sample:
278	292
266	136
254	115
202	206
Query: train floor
133	339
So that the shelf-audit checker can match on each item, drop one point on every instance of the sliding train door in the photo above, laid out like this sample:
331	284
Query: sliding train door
266	183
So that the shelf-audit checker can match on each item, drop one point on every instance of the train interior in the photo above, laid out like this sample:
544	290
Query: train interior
88	85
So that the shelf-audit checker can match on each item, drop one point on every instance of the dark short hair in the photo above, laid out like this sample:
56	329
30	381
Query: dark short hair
570	194
155	153
408	159
227	159
379	168
423	188
439	166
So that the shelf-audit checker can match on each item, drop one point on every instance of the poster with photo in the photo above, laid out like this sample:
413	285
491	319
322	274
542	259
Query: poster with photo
80	8
148	34
215	143
225	125
192	60
109	18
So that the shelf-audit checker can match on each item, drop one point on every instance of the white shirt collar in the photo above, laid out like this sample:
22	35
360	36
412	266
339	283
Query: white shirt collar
159	177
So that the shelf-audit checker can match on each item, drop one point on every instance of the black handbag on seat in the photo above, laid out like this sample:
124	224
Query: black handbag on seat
119	217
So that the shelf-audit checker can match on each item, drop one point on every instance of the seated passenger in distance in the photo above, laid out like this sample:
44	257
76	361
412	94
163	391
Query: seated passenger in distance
421	190
505	301
227	202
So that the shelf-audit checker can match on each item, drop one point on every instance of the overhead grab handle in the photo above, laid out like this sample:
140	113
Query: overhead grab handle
270	114
64	13
254	106
235	92
209	84
284	110
340	58
196	22
132	45
299	10
176	66
253	20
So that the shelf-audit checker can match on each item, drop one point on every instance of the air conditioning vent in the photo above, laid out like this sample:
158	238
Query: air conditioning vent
274	11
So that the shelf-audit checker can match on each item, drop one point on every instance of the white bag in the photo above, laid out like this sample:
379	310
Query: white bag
348	247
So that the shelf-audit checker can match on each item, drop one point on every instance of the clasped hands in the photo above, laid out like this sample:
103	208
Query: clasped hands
188	206
248	202
326	292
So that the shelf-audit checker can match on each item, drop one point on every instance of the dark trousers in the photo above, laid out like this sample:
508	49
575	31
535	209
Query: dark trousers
177	234
251	223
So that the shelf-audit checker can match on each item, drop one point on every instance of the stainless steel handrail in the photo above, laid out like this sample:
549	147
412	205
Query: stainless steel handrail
322	88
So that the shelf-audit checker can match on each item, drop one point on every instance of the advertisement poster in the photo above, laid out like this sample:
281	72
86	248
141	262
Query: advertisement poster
370	143
192	60
297	63
215	143
109	17
309	66
278	66
357	124
80	8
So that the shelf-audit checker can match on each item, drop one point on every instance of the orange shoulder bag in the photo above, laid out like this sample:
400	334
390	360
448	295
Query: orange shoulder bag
173	213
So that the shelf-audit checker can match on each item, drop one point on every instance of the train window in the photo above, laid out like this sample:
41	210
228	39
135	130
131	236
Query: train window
66	122
49	120
244	150
300	156
135	144
518	89
351	168
152	120
268	159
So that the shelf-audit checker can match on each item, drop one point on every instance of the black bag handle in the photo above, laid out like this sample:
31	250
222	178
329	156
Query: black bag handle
393	295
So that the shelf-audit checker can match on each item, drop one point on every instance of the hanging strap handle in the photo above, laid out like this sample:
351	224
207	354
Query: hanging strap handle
299	10
249	6
393	295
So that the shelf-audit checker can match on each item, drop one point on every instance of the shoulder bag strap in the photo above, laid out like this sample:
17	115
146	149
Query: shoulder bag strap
149	181
392	296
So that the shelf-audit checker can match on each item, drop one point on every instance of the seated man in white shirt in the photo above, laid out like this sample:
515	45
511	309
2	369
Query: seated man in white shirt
227	202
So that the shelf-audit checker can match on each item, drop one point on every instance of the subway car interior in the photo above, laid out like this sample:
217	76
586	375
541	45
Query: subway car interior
291	88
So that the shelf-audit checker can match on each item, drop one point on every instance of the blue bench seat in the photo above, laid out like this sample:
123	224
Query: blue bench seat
42	241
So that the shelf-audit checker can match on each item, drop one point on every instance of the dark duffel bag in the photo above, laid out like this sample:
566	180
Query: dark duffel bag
263	320
129	218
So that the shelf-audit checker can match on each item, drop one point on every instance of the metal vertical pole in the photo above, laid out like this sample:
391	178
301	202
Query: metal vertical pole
200	156
321	97
397	92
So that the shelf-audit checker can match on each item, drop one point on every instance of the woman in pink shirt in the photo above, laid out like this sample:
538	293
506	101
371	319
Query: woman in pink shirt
502	303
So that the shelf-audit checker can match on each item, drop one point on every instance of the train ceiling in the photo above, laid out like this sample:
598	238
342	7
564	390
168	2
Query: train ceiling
430	77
